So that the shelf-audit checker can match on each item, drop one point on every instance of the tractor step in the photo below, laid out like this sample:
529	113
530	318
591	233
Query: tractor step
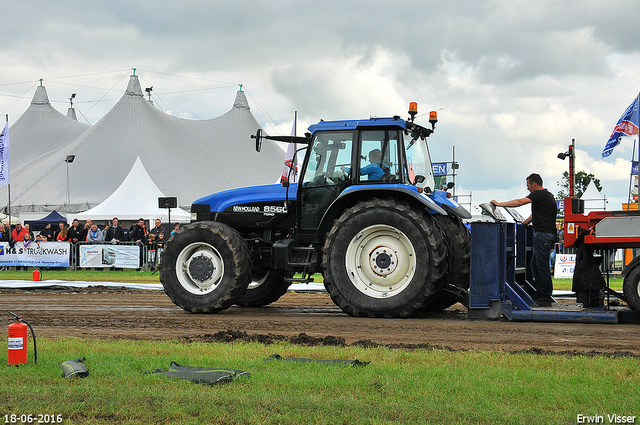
298	280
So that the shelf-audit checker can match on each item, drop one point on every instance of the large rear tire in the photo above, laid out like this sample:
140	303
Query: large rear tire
458	242
266	287
631	289
383	258
205	267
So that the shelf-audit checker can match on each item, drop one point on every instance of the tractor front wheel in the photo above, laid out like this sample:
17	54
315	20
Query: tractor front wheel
205	267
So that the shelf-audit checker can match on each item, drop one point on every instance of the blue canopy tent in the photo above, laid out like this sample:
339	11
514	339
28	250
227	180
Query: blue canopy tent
54	218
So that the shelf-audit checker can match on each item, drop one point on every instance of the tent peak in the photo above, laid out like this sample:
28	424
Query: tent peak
241	101
133	89
40	97
71	113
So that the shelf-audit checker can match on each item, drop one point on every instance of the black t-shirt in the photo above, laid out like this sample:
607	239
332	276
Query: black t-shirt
544	210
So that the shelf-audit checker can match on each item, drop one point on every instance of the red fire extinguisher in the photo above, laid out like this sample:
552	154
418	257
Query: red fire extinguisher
18	341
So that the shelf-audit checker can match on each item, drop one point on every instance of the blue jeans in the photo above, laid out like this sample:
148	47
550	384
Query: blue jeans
543	243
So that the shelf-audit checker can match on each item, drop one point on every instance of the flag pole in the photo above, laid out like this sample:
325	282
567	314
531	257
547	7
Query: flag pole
633	155
9	187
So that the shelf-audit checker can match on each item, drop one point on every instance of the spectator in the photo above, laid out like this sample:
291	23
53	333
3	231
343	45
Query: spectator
139	232
48	232
151	246
63	235
4	234
26	239
18	232
94	235
57	232
28	227
75	231
176	227
127	236
158	229
114	232
160	242
87	227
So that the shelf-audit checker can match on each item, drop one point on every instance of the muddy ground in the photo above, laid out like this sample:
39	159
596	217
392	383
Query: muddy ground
301	318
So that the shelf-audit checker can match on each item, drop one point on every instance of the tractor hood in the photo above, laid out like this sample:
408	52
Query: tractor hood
245	196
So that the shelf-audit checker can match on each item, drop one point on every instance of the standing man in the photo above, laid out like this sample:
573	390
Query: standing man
4	234
75	231
18	233
48	232
138	232
543	216
114	232
158	229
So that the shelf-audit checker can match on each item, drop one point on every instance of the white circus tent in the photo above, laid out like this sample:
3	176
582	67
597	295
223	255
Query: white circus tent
136	197
39	132
184	158
593	199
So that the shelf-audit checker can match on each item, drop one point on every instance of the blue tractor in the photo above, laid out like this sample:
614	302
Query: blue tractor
365	214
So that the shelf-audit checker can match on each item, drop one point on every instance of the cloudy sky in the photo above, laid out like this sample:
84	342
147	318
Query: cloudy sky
513	80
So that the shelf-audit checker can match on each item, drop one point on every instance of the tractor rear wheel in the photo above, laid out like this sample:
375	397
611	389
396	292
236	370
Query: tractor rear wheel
383	258
631	289
266	286
206	267
458	241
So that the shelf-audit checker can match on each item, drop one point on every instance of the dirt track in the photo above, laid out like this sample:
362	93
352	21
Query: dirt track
300	318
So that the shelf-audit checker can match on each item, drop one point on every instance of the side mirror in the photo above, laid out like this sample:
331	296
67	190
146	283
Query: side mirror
450	185
258	138
418	179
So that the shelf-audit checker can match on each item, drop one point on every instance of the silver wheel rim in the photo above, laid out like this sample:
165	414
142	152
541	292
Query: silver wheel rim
380	261
196	254
257	282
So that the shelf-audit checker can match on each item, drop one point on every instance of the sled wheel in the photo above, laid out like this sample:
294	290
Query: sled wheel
266	286
205	267
383	258
631	289
458	242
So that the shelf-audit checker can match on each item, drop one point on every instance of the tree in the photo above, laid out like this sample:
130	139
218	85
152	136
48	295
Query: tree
582	181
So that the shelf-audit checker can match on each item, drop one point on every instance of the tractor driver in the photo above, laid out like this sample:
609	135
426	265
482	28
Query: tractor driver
376	169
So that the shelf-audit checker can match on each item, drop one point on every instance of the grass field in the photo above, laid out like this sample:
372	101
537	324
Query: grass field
398	387
133	276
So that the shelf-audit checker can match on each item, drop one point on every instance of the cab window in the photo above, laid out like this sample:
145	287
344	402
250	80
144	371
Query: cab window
379	156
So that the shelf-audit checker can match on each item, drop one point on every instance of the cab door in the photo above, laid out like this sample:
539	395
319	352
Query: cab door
327	173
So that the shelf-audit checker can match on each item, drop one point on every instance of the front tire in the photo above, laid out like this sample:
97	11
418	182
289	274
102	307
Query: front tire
383	258
631	289
205	267
266	287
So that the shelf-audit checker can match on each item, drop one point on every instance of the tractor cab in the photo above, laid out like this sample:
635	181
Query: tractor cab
356	156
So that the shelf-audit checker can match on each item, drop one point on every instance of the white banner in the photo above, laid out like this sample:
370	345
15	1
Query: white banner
35	254
122	256
565	264
4	155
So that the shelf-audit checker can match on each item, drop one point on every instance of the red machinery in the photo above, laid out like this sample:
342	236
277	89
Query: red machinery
607	230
